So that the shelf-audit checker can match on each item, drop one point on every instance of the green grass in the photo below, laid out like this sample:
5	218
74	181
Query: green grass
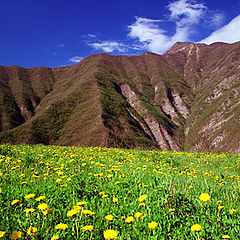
171	181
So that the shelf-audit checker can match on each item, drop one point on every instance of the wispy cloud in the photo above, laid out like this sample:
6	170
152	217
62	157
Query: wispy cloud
229	33
75	59
185	14
61	45
148	33
91	35
217	19
109	46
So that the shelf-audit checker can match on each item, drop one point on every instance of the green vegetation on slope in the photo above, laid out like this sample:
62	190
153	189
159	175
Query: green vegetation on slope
125	131
10	114
46	129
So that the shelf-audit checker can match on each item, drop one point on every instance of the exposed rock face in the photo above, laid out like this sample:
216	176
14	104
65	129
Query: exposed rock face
187	99
160	135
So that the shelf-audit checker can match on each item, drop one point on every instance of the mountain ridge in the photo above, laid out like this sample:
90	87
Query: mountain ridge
186	99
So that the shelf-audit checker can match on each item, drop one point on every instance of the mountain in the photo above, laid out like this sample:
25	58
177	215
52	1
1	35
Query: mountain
187	99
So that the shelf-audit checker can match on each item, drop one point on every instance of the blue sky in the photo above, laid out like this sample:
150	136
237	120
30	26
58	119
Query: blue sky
54	33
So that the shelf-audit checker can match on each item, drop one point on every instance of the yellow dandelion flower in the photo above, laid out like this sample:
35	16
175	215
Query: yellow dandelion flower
219	202
81	203
204	197
16	235
226	237
232	211
196	227
47	211
29	196
115	200
61	226
2	234
72	212
0	190
55	237
221	207
105	196
87	212
129	219
110	234
142	198
31	230
109	217
138	215
77	208
171	210
60	173
14	202
40	198
42	206
141	204
152	225
31	210
190	187
88	228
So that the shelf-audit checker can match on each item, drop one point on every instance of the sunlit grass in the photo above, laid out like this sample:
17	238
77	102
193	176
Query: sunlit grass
51	192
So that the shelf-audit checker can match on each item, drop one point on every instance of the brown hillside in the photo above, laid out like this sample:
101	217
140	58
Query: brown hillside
187	99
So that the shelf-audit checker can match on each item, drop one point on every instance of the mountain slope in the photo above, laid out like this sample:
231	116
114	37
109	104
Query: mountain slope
187	99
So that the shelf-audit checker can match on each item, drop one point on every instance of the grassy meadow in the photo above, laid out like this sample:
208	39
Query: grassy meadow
53	192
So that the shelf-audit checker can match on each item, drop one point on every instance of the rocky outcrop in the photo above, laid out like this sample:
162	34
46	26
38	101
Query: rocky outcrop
160	135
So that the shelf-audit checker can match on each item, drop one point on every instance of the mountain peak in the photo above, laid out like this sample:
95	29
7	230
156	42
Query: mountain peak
183	46
148	53
179	46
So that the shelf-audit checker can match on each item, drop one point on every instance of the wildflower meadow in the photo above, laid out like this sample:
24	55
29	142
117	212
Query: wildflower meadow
56	192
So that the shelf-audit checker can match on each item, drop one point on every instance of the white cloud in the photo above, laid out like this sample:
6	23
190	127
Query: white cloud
75	59
217	19
186	16
109	46
149	34
91	35
61	45
230	33
184	13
